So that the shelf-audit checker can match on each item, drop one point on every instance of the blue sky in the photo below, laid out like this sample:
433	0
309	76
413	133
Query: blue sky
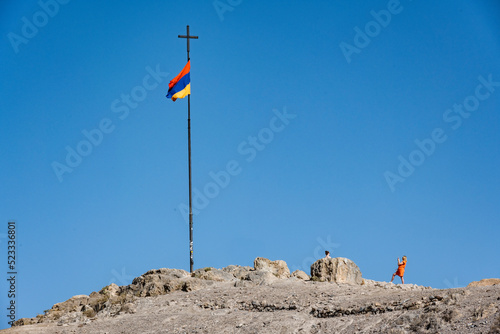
370	129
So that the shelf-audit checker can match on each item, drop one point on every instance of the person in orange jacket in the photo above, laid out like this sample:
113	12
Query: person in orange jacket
401	270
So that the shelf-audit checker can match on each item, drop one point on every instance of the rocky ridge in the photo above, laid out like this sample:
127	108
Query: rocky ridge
268	299
113	300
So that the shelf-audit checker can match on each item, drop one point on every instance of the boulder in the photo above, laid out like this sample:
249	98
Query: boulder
73	304
174	273
213	274
25	321
278	268
485	282
300	275
261	277
158	282
110	290
238	272
338	270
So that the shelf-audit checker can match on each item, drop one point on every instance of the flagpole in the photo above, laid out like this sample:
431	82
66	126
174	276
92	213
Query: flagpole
191	261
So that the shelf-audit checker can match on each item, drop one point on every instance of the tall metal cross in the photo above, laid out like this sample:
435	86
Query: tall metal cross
188	37
191	261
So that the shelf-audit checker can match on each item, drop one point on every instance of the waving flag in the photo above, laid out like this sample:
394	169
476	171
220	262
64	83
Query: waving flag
180	86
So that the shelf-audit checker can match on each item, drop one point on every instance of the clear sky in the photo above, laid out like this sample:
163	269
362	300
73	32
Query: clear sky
368	128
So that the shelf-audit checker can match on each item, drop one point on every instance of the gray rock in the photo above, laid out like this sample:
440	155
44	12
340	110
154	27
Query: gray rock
338	270
238	272
158	282
110	310
110	290
260	277
128	308
73	304
213	274
278	268
300	275
174	273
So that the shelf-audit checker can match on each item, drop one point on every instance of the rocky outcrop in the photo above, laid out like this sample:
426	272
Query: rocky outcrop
300	275
109	301
285	306
485	282
213	274
239	272
261	277
271	305
338	270
278	268
113	300
161	281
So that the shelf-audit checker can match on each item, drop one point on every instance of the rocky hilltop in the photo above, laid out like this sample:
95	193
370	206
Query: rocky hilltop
267	298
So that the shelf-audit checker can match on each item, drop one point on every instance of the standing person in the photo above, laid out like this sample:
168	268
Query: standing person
401	270
327	255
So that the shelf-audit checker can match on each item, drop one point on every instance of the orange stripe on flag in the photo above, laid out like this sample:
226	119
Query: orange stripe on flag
184	71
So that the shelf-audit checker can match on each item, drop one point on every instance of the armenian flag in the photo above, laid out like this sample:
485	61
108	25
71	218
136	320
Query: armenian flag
180	86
